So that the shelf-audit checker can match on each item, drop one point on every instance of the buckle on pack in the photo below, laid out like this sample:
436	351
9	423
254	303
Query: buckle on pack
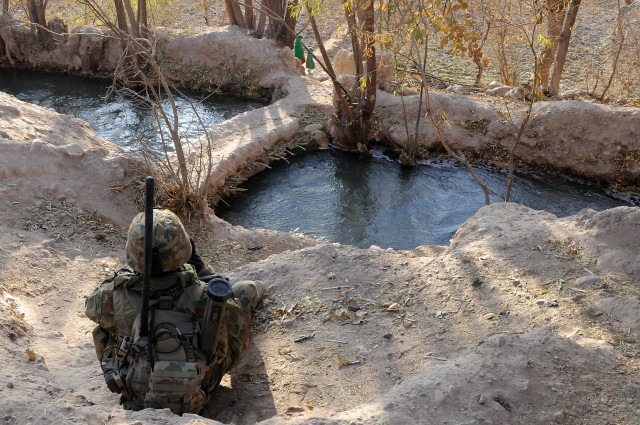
113	378
124	348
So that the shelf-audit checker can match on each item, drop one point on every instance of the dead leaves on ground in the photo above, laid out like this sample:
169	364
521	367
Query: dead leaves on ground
63	221
343	309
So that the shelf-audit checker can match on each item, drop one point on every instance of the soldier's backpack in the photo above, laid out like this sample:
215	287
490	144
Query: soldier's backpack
165	369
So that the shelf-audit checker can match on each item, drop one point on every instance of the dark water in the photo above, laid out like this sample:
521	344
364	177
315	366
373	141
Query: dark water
336	197
121	118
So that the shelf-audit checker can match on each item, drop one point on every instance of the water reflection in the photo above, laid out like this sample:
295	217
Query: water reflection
336	197
120	118
353	191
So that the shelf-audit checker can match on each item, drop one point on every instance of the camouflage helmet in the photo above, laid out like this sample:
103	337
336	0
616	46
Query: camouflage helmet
171	243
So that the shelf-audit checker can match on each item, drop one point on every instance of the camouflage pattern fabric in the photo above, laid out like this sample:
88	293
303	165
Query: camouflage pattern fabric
169	237
116	305
179	370
235	334
115	309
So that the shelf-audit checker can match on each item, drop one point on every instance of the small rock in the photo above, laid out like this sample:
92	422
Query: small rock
439	398
457	88
540	302
588	280
288	324
321	139
363	352
568	94
11	110
10	385
387	335
499	91
311	128
481	399
317	74
559	417
74	151
514	93
388	406
493	84
40	146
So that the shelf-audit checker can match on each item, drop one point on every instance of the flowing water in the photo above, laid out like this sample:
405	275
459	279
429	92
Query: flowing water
120	118
328	194
336	197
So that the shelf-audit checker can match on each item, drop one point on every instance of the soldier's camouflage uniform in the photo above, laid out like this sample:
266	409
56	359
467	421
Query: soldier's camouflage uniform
116	303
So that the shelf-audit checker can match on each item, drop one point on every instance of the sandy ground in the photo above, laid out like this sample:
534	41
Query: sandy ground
524	319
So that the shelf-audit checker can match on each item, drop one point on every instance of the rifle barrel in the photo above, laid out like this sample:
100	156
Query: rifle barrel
148	245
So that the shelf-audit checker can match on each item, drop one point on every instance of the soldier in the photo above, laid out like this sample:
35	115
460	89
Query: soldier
174	370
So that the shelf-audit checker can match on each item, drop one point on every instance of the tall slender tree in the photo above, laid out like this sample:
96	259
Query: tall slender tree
563	45
275	19
36	10
205	11
128	21
553	13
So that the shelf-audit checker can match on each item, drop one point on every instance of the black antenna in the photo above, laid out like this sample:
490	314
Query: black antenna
148	245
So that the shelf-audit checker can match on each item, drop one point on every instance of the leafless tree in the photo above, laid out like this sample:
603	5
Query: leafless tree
139	74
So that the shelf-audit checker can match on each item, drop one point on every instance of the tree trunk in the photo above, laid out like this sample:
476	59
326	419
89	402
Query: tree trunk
121	16
205	11
555	11
5	6
262	23
230	12
132	19
369	39
477	59
354	127
349	13
241	22
248	14
275	13
340	91
477	56
290	21
143	21
37	16
235	13
563	46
